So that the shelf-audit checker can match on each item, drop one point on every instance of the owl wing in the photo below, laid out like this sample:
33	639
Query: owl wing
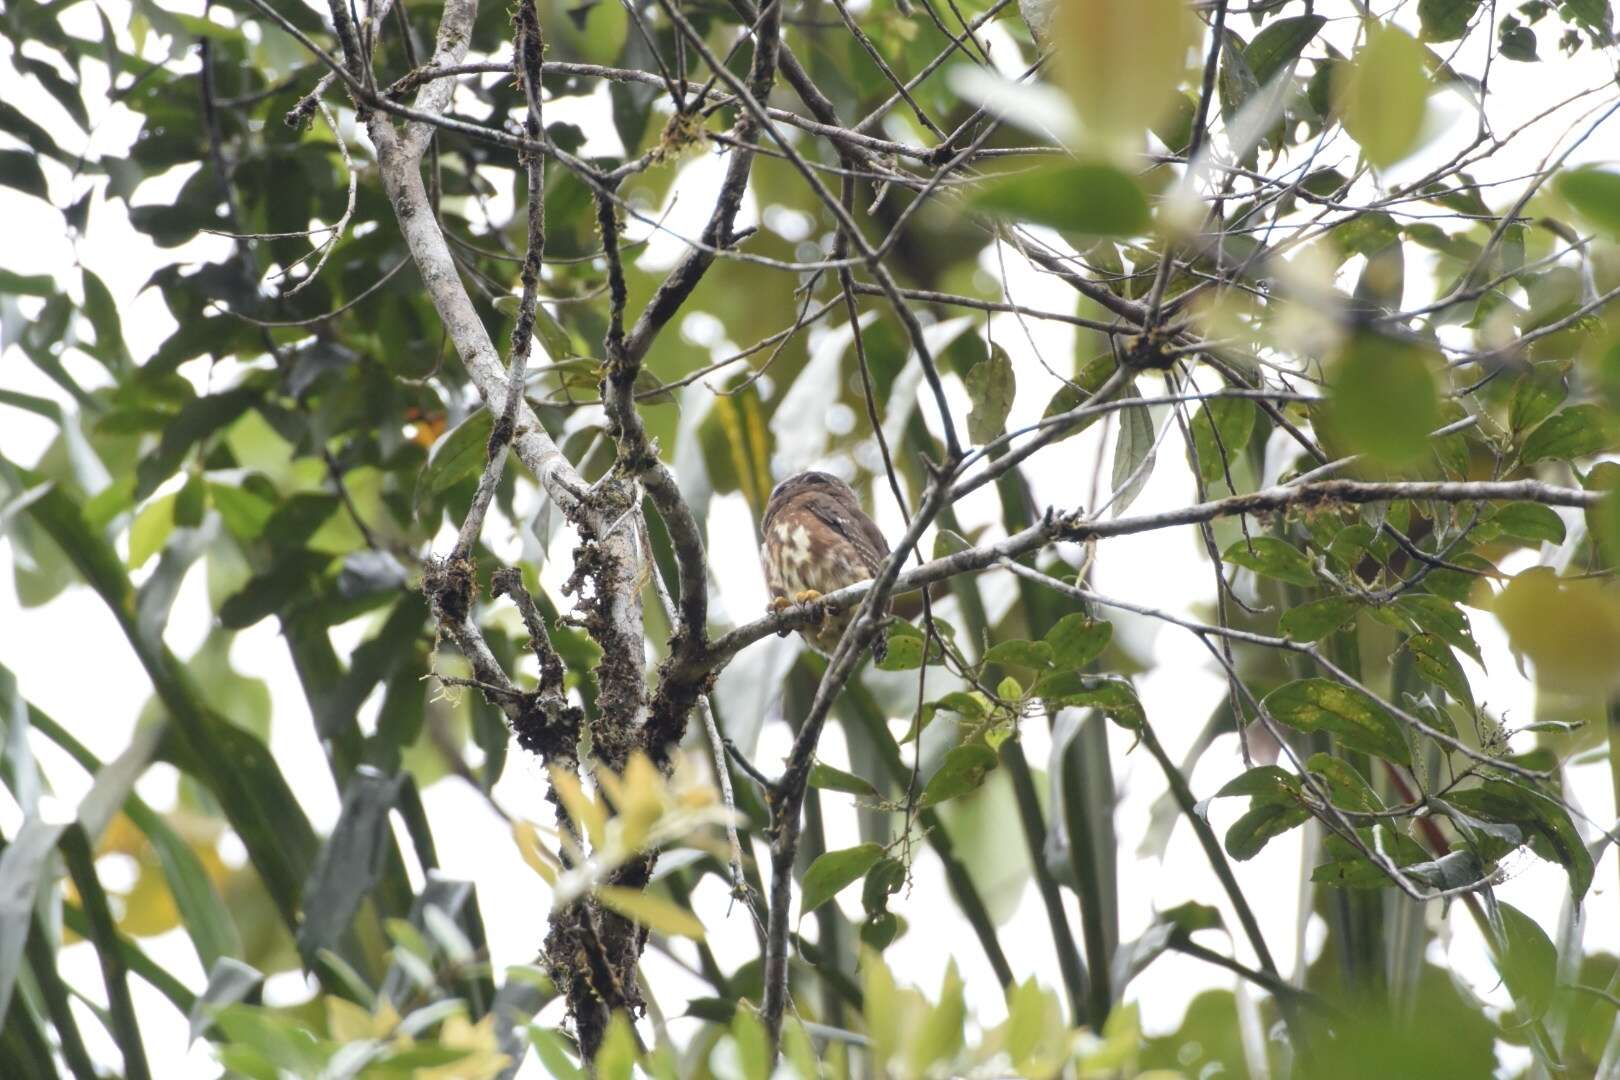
852	525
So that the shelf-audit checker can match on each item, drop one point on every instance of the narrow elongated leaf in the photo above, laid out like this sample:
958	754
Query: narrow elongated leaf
350	862
114	973
1133	456
229	981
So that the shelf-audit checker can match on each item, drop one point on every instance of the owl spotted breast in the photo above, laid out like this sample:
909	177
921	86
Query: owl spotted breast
817	539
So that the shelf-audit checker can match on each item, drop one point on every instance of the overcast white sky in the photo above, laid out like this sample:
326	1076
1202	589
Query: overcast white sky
72	661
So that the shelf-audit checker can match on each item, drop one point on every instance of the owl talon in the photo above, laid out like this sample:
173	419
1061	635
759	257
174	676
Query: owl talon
780	604
806	596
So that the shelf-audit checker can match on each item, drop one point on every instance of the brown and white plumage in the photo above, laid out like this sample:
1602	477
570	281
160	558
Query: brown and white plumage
817	539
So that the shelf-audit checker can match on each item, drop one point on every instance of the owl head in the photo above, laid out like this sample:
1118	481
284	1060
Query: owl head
806	482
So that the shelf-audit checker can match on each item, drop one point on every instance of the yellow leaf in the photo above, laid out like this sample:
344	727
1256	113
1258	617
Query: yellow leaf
535	852
1382	96
1122	60
640	800
149	907
483	1059
1569	628
347	1022
586	812
651	911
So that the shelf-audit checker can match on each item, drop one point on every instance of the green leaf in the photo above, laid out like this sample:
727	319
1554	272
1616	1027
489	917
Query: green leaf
882	881
558	344
1438	616
1133	456
150	530
1077	639
245	514
1383	400
125	1026
1115	698
1029	654
1319	618
1090	198
1576	432
962	771
1267	783
1259	825
827	778
229	981
1220	432
1527	959
350	862
1435	662
616	1060
1553	835
753	1049
940	1035
1446	20
1532	522
1278	46
1537	393
1356	720
1346	787
197	420
990	387
1070	397
554	1055
906	645
1271	557
1516	42
458	454
833	871
1382	93
1595	193
20	169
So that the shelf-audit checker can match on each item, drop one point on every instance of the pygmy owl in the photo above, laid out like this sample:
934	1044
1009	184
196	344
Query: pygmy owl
818	540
